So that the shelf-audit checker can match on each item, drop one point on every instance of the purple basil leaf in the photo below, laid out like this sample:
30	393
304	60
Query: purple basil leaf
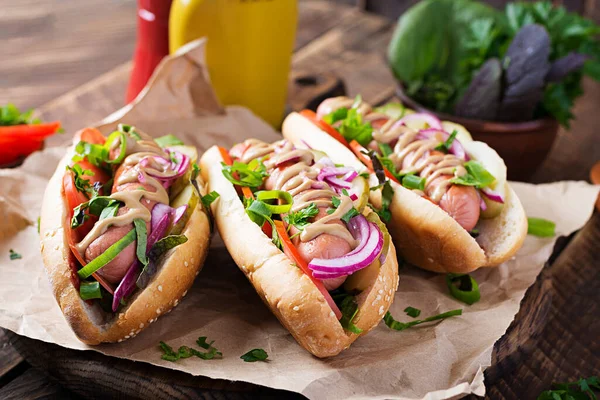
565	65
481	99
526	70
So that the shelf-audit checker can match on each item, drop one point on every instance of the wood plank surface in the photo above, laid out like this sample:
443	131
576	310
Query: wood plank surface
34	384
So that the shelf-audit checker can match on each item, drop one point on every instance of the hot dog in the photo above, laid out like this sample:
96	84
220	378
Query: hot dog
120	217
451	207
298	226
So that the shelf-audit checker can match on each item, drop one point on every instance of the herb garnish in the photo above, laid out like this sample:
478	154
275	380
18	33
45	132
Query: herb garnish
251	174
168	140
208	199
387	193
160	247
540	227
255	355
400	326
349	308
14	255
142	240
353	128
187	352
476	176
300	218
463	287
95	206
445	146
583	389
81	184
335	202
412	312
259	213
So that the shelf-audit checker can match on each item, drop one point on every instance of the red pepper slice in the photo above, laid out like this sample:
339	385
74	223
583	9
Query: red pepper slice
30	132
330	130
292	252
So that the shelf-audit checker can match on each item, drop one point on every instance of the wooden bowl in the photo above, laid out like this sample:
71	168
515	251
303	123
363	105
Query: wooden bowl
522	145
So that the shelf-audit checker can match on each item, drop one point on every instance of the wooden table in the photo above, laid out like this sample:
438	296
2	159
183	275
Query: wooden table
70	42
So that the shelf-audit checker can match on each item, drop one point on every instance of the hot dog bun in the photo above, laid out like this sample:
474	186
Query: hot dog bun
283	287
424	234
173	278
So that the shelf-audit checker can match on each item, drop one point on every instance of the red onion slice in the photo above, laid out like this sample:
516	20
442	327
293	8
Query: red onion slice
493	195
361	257
340	183
349	177
178	213
430	119
159	224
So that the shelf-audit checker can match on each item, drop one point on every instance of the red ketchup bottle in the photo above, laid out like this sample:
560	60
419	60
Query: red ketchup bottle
152	43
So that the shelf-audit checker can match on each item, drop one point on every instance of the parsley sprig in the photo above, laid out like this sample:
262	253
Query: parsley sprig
255	355
186	352
582	389
300	219
400	326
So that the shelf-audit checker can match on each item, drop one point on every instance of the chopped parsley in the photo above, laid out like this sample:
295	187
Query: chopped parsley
186	352
300	218
582	389
14	255
255	355
476	176
81	184
349	308
351	213
168	140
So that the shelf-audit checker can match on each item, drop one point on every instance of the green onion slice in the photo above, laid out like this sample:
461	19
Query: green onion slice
109	255
142	240
267	195
463	287
90	290
540	227
413	182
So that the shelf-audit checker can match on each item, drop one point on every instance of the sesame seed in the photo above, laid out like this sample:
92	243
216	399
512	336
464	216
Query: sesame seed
387	298
160	288
158	310
119	341
57	247
380	291
381	310
141	325
332	314
184	293
138	331
296	308
127	336
192	259
185	263
42	247
152	320
175	302
378	297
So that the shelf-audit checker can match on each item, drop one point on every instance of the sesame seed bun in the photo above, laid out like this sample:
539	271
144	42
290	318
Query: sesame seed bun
168	286
424	234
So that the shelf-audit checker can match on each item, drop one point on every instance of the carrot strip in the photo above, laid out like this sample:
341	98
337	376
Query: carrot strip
292	252
330	130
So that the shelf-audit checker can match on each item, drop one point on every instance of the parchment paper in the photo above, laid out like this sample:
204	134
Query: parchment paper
439	361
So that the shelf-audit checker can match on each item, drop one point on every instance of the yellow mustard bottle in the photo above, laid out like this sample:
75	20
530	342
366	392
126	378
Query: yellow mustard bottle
249	49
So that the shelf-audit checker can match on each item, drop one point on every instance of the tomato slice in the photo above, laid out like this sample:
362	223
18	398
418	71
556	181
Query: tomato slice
330	130
91	135
359	150
292	252
34	132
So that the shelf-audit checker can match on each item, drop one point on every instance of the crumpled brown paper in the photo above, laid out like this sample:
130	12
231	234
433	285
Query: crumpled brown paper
439	361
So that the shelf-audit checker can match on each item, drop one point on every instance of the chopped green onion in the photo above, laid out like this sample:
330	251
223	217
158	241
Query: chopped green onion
266	195
541	227
90	290
411	181
250	175
412	312
400	326
142	240
463	287
445	146
476	176
209	198
385	149
109	255
13	255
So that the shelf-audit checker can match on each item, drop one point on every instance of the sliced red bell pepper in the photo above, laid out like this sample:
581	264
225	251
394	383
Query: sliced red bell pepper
359	152
33	131
292	252
330	130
